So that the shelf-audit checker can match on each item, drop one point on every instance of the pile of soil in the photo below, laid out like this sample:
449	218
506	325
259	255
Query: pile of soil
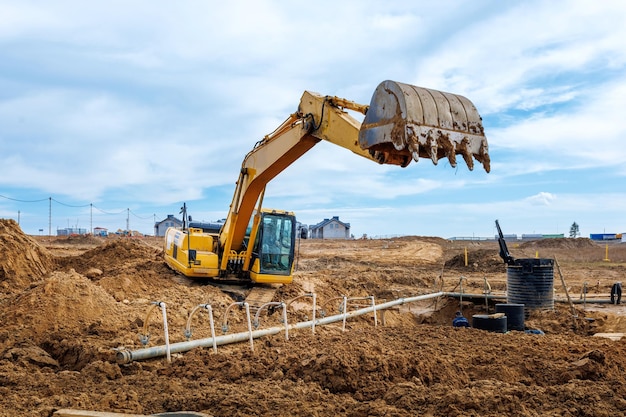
561	243
66	309
23	260
481	260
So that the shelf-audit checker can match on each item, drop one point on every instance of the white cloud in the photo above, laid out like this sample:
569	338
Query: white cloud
159	102
541	199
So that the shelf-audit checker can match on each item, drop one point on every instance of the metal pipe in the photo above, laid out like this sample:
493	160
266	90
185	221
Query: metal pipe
127	356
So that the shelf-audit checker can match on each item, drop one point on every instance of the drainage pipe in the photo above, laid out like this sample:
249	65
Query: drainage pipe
369	298
273	303
145	337
344	308
166	331
312	295
209	309
127	356
323	310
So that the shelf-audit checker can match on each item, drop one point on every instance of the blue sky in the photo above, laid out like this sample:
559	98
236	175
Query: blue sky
115	112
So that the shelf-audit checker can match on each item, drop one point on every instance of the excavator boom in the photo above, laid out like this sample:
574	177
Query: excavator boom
402	123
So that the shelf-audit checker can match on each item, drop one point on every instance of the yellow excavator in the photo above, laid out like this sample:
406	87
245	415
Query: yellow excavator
402	123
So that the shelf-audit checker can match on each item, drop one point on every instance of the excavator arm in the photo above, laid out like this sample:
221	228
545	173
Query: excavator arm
402	123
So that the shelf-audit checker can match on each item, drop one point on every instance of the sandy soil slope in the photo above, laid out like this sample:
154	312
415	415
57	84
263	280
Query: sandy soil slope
67	304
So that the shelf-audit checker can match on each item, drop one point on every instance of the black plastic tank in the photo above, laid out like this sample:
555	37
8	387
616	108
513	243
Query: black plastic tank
531	282
490	322
514	314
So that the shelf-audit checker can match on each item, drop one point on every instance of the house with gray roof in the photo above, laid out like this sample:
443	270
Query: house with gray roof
161	227
330	229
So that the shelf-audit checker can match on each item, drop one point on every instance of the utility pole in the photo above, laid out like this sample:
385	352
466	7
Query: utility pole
127	220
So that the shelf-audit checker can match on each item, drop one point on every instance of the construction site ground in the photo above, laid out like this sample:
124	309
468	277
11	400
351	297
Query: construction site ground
68	304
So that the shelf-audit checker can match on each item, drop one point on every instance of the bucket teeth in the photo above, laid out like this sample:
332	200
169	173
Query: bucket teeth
423	123
433	147
452	159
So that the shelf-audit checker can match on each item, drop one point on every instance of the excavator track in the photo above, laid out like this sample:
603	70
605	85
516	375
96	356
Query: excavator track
260	295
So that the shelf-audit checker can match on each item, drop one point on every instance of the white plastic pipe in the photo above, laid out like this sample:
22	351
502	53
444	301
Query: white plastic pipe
247	307
166	331
127	356
314	297
273	303
209	309
369	298
344	308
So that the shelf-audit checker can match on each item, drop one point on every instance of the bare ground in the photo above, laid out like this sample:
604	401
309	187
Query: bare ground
67	304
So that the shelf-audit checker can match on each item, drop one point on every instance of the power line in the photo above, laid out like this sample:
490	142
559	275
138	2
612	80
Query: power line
23	201
69	205
91	205
108	212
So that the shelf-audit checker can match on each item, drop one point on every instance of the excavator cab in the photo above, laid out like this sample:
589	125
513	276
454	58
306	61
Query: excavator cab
273	253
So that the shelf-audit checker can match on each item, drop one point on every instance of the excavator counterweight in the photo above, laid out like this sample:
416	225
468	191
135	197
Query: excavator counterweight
406	122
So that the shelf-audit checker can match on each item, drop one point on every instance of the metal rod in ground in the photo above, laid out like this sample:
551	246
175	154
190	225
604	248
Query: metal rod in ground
569	299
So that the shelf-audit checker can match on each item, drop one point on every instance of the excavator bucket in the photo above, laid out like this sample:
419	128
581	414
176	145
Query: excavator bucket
406	122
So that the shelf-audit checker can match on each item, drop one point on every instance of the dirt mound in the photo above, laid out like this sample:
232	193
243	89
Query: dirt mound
65	300
79	240
481	260
50	324
561	243
105	259
60	333
23	260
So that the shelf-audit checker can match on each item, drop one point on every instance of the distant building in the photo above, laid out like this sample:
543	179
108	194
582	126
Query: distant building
532	236
330	229
161	227
100	231
507	237
71	231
